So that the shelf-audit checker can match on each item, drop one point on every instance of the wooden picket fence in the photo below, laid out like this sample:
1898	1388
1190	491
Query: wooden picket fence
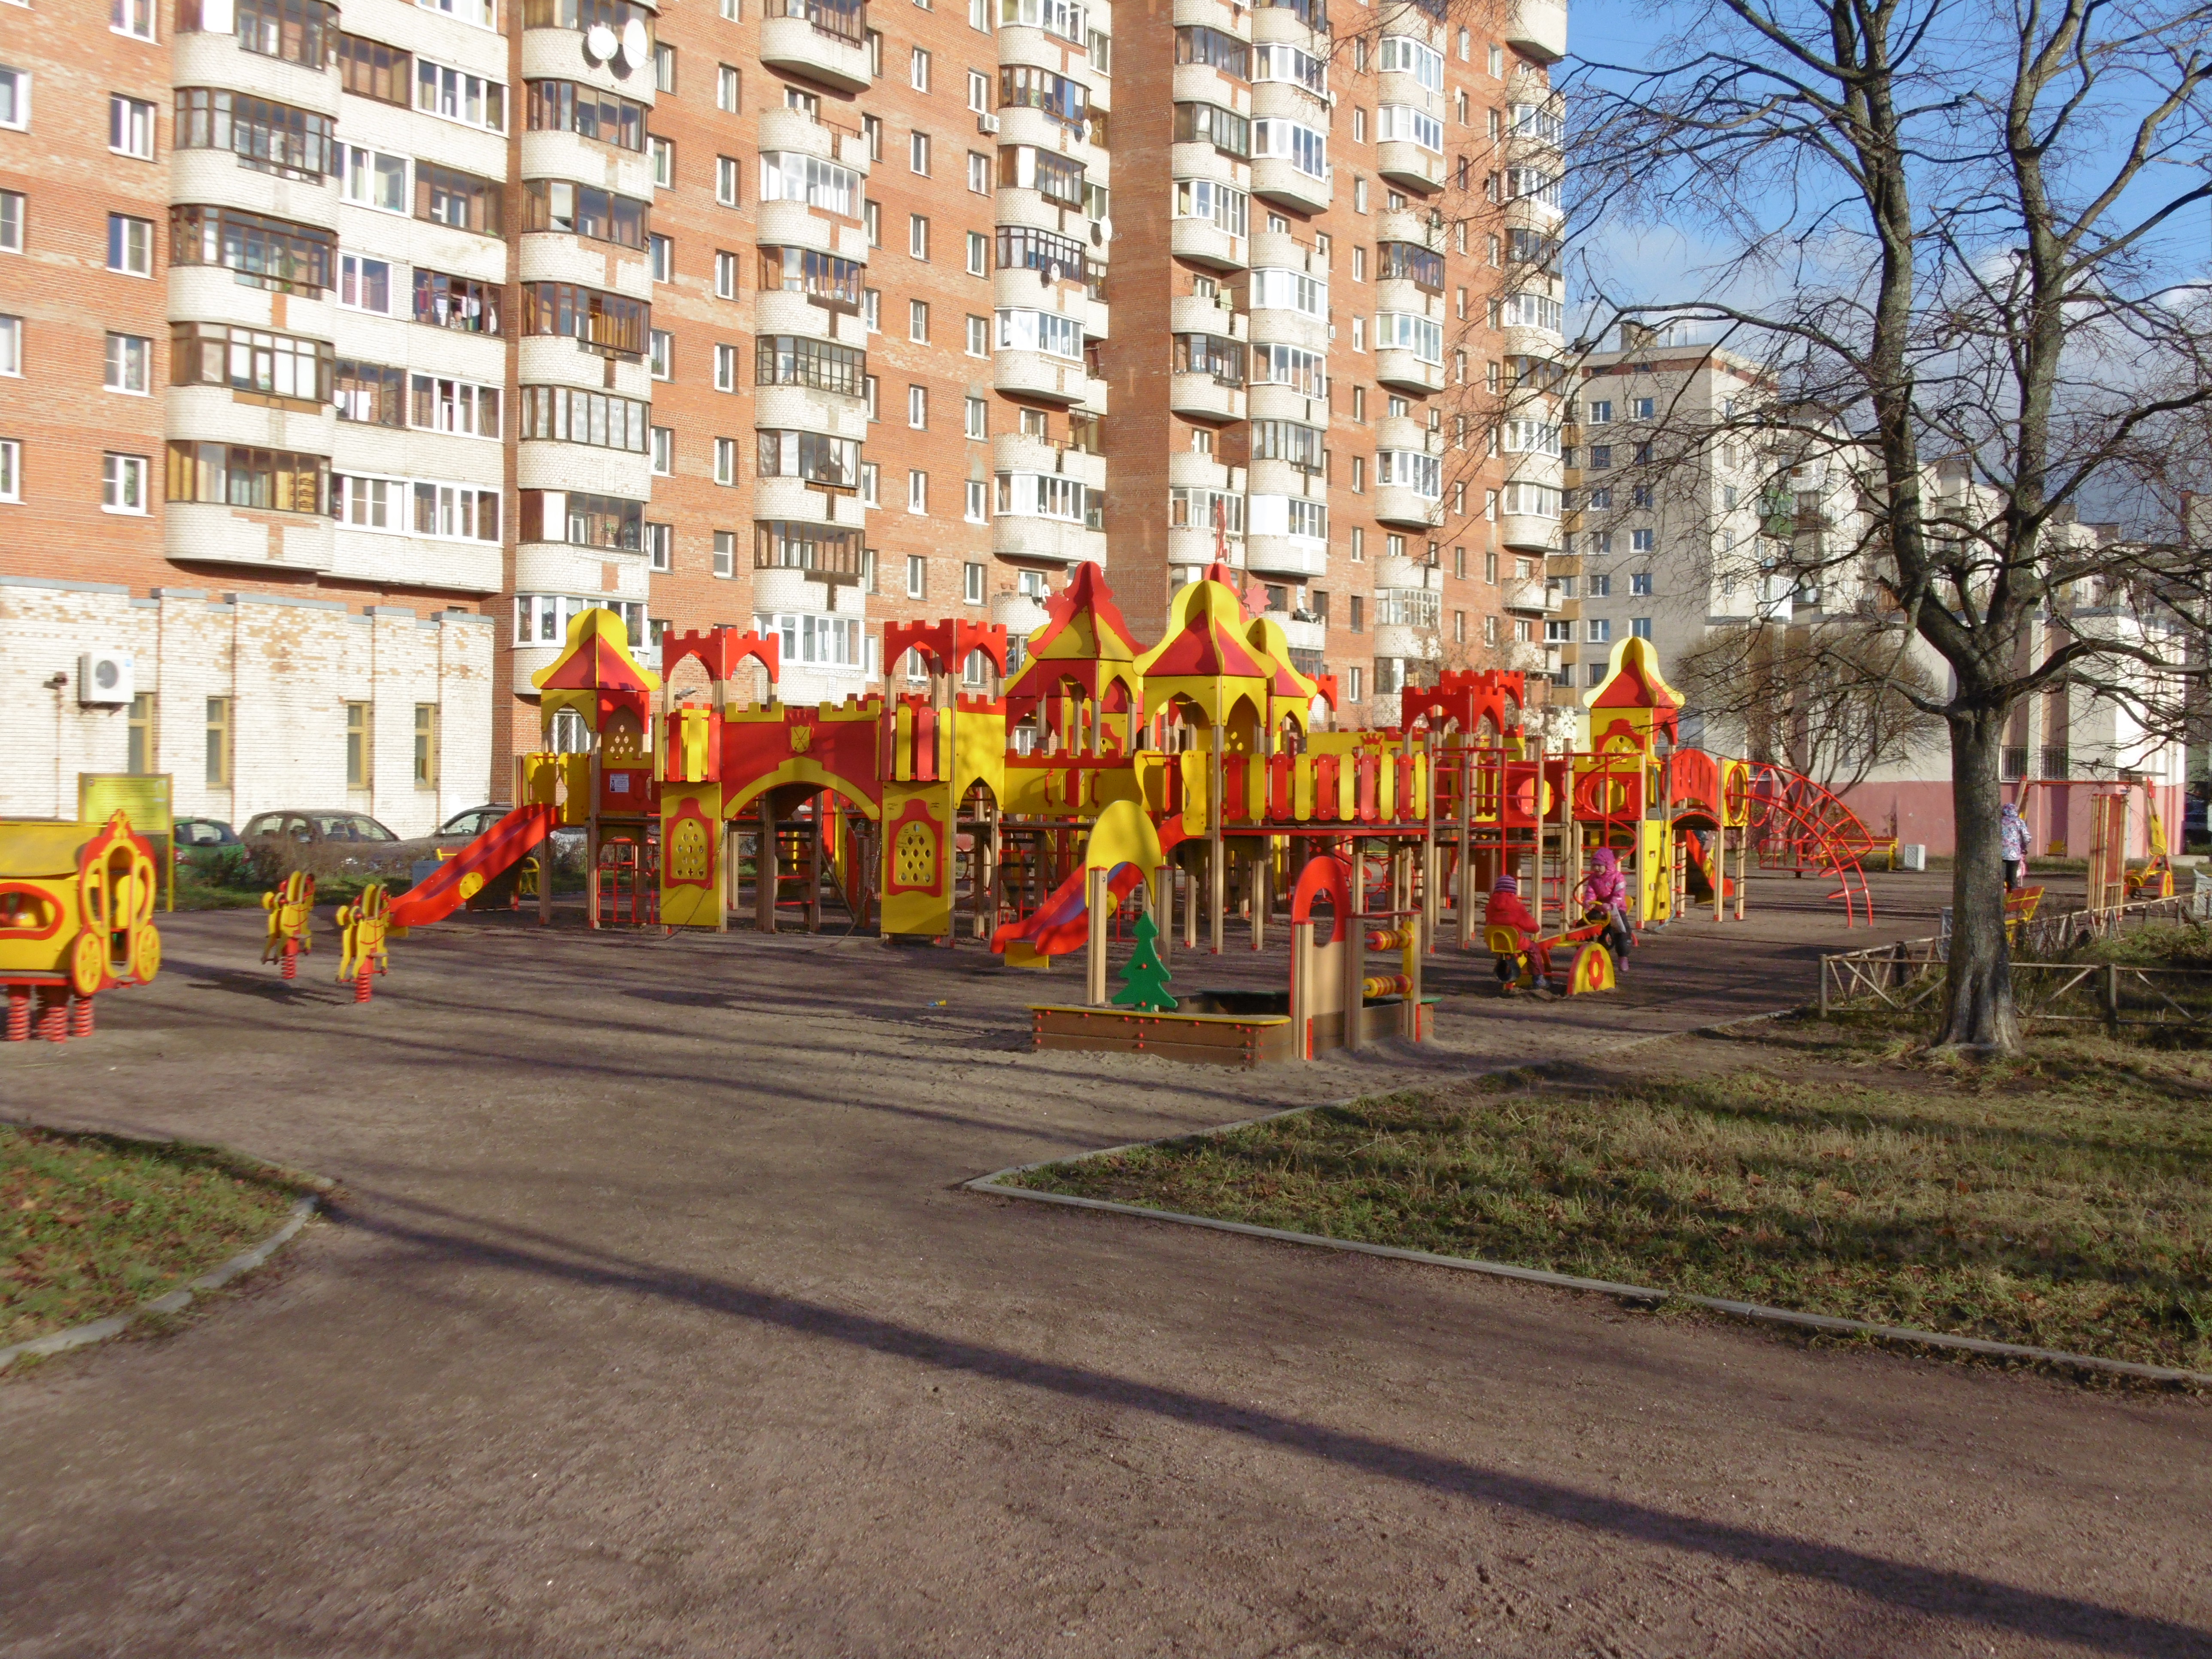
1910	973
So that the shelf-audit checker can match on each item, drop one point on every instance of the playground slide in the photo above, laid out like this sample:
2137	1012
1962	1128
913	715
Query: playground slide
1701	868
513	837
1062	922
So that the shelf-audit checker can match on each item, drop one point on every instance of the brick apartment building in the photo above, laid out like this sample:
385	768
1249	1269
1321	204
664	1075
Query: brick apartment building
353	351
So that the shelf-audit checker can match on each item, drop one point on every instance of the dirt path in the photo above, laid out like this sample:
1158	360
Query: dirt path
653	1322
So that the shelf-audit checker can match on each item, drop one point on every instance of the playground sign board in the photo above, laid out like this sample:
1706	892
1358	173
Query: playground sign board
142	797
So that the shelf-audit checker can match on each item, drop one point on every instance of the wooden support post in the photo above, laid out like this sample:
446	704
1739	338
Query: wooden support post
1355	950
1260	883
814	867
1217	867
1094	990
764	867
1409	1020
1463	898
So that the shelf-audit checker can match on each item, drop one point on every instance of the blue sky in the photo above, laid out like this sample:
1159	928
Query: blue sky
1662	261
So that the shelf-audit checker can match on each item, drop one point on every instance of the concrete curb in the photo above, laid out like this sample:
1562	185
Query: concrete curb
176	1301
1755	1312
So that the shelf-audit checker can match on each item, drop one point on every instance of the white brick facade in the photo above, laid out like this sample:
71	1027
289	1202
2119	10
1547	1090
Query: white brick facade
288	666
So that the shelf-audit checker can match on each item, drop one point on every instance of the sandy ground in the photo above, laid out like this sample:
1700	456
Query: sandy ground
652	1320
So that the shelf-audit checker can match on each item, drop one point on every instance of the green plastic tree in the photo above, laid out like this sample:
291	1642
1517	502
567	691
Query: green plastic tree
1145	979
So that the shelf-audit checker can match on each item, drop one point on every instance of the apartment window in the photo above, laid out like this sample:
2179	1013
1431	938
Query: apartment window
917	407
123	483
1639	585
872	220
726	180
579	210
1639	409
1601	630
971	582
1596	587
664	67
979	92
11	345
425	745
726	552
1358	205
12	216
726	460
979	336
1639	541
977	423
725	275
871	129
917	321
218	743
132	17
917	152
1353	688
917	492
130	126
872	310
359	753
447	196
869	388
127	358
917	70
1358	475
371	178
664	450
131	245
457	96
809	104
917	236
1640	627
663	153
1641	495
727	86
979	253
14	98
1359	545
661	352
11	469
868	487
661	254
660	545
977	508
725	368
917	576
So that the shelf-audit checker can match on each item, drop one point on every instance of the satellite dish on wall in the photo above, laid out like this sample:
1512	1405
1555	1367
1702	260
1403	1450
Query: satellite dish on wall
598	43
636	47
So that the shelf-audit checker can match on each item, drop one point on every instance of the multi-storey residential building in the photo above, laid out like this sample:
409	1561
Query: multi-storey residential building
1687	527
362	348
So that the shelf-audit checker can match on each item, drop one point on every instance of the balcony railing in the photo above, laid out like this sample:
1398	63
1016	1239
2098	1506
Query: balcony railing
841	19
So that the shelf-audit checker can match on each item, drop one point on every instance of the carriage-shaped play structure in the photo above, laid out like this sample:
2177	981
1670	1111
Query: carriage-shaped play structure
76	918
968	803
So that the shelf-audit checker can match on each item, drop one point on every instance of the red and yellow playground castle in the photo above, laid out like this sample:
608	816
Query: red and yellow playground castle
943	811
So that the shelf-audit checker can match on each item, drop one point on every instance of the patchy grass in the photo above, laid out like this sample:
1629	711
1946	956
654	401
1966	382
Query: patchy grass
2063	1200
91	1225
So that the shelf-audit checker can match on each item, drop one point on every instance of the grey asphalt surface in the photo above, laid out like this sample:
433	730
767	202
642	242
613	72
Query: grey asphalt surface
651	1319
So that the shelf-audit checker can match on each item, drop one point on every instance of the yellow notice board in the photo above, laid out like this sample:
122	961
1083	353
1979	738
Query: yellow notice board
143	798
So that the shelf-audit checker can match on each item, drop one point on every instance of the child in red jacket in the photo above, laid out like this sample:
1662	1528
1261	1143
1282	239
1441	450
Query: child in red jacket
1506	910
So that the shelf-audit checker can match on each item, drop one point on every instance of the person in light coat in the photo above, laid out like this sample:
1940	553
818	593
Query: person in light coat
2013	836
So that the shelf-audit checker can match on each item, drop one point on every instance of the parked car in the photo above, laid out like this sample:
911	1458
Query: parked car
464	827
191	834
326	843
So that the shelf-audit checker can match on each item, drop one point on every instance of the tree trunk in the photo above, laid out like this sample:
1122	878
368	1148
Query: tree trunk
1978	1009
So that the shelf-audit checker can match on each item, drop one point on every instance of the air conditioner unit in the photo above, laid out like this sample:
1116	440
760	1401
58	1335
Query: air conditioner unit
986	123
104	678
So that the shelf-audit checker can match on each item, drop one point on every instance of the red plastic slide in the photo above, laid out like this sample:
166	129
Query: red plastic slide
1062	922
514	836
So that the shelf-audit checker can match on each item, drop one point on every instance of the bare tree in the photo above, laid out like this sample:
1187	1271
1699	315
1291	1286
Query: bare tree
1834	699
1945	225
